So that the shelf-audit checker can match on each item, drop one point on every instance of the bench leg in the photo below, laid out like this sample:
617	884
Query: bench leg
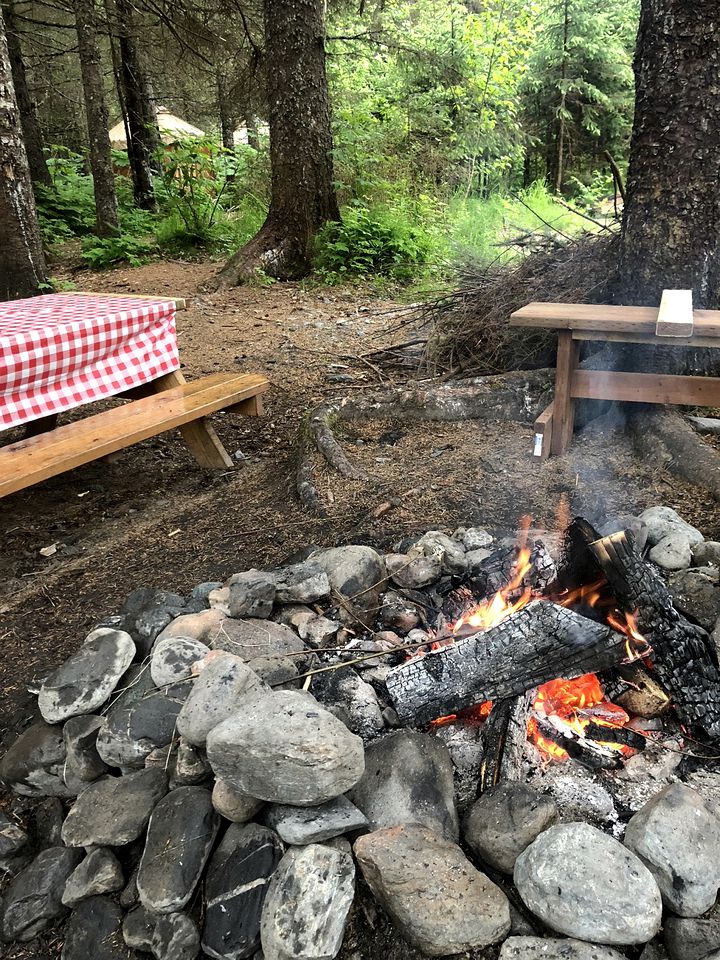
543	433
199	435
35	428
564	405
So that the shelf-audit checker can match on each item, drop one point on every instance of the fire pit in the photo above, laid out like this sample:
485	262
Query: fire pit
513	738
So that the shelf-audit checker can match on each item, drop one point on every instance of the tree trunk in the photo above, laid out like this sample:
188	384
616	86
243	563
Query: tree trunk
671	223
560	173
106	213
22	264
32	134
252	131
141	120
227	122
303	194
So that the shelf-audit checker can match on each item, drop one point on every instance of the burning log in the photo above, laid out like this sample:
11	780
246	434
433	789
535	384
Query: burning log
623	736
582	749
682	655
539	643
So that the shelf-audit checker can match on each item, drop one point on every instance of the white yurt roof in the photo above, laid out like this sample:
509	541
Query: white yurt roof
172	129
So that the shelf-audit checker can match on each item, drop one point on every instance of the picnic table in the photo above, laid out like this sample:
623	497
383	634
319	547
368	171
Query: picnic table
63	351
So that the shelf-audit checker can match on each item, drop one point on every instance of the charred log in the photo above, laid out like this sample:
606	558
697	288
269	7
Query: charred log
539	643
585	751
494	734
601	733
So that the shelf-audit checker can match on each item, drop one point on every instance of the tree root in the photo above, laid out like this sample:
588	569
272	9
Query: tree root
665	435
518	396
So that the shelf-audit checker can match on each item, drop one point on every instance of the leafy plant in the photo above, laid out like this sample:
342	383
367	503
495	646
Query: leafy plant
100	253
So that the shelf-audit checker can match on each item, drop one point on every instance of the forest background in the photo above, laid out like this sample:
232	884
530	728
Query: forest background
458	127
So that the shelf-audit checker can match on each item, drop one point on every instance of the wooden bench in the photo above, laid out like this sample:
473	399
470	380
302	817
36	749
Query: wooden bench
172	403
672	324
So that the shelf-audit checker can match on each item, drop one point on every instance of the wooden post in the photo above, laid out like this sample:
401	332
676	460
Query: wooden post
564	405
543	433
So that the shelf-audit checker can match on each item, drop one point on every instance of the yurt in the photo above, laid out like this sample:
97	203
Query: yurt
172	130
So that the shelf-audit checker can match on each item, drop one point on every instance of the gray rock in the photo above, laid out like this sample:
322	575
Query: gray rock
180	837
33	898
14	844
85	681
677	836
33	765
252	594
202	590
656	951
352	700
440	902
100	872
302	825
476	538
464	743
173	657
691	939
191	766
302	583
284	747
307	904
138	928
697	593
83	763
476	558
672	552
95	930
235	887
131	733
233	804
408	779
706	554
220	690
48	817
147	612
705	424
201	626
634	525
663	521
536	948
358	574
437	544
175	937
276	671
115	810
249	639
505	820
319	631
399	614
413	573
583	883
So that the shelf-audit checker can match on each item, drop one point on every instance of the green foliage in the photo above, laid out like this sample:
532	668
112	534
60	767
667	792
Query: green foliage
66	208
100	253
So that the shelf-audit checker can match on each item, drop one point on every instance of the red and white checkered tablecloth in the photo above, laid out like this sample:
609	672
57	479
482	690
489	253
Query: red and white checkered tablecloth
64	350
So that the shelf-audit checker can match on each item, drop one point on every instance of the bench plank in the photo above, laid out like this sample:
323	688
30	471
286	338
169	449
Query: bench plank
39	458
606	318
646	388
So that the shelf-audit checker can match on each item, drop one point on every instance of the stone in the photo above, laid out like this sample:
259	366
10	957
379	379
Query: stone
352	700
200	626
202	590
305	582
691	939
662	521
33	765
95	930
705	424
173	657
219	601
672	552
464	743
100	872
233	804
191	767
131	733
319	631
293	615
85	681
33	899
219	691
138	928
505	820
302	825
706	554
307	903
677	836
115	810
697	593
175	937
285	748
437	544
83	763
656	951
236	884
399	614
147	612
48	818
14	844
180	837
249	639
439	901
634	525
413	573
358	575
536	948
475	538
251	594
408	779
475	559
581	882
276	671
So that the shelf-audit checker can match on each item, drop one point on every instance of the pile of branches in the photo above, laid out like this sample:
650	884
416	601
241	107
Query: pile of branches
469	329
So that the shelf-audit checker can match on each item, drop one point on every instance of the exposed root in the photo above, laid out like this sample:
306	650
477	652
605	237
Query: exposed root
321	427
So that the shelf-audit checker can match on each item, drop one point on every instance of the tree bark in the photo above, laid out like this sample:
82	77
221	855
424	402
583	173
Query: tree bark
303	193
22	264
144	138
671	222
106	213
32	134
227	121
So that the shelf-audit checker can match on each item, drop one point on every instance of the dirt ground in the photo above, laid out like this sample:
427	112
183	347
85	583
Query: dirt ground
154	518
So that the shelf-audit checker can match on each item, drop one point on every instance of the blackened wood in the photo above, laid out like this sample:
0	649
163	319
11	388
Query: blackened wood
577	566
539	643
586	752
493	737
604	734
513	758
682	653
